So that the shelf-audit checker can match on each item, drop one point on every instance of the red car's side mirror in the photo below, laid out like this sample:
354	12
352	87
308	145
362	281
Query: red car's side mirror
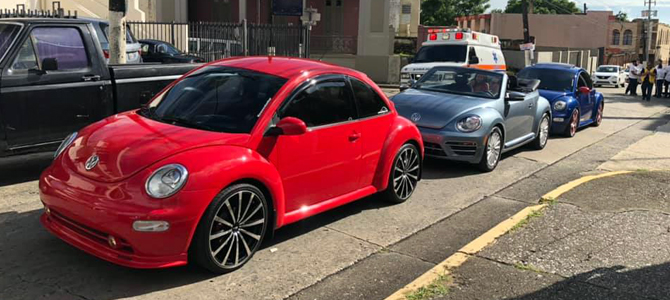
584	90
292	126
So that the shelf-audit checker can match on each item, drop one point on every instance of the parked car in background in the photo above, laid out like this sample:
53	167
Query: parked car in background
55	80
475	115
569	89
164	52
455	47
226	155
133	47
609	75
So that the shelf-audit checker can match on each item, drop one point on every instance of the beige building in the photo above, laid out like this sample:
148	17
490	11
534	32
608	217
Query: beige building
585	31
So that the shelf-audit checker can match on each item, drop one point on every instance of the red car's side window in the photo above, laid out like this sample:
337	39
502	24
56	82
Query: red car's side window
326	102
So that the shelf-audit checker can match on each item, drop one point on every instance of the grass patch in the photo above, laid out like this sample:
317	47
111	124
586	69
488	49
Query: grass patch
527	267
549	201
526	220
439	287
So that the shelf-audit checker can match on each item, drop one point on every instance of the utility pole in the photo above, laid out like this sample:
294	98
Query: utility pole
526	33
117	31
649	35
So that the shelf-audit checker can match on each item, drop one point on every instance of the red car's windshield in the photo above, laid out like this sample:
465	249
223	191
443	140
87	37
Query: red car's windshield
216	98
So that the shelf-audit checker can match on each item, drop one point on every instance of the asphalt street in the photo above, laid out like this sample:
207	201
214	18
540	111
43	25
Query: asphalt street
364	250
605	239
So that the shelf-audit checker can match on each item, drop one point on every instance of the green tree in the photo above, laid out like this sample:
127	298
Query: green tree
444	12
497	11
622	16
559	7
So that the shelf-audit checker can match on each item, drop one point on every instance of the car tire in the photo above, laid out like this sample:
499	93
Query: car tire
598	118
404	175
542	137
492	151
234	224
572	127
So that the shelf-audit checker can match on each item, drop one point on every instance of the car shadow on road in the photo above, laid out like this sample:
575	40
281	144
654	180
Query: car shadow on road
615	282
23	168
33	263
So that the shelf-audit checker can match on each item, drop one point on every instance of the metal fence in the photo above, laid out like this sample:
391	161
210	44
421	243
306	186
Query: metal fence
213	41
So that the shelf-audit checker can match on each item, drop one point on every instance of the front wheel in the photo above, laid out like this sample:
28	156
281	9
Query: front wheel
492	151
599	115
542	133
405	173
571	129
232	229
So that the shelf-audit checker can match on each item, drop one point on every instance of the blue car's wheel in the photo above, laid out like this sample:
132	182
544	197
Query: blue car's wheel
571	129
599	115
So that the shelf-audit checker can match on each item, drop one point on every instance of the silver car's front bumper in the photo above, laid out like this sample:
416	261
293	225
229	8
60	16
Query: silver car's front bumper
467	147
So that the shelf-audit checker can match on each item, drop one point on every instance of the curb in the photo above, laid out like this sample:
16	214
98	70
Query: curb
476	245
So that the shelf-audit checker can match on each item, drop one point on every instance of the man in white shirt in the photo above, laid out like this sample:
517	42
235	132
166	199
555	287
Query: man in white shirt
660	79
633	77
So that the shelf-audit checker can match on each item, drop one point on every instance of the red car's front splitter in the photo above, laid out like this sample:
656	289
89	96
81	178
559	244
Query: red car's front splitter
93	243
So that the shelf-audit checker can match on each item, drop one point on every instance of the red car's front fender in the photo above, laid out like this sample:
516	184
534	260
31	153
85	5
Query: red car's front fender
402	131
217	167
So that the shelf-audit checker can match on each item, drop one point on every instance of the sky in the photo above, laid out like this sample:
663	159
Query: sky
632	7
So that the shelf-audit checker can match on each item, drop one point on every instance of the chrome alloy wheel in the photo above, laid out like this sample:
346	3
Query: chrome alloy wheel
599	114
237	228
544	131
406	173
493	148
574	122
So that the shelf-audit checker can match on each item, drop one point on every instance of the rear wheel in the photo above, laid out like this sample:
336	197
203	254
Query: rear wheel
571	129
492	151
404	175
542	133
599	115
232	229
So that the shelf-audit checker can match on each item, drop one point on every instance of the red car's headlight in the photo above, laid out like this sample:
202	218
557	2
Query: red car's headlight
166	181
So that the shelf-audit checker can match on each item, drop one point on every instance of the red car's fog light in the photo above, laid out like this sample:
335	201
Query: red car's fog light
151	226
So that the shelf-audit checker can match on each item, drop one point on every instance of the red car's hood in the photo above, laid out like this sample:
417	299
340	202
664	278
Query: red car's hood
127	143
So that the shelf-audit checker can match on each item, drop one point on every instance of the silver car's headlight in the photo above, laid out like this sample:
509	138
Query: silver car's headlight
560	105
404	75
166	181
66	142
469	124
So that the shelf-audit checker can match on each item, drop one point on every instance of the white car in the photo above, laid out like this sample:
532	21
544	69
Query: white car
609	75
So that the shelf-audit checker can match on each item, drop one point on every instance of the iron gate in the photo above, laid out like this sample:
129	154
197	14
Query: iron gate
213	41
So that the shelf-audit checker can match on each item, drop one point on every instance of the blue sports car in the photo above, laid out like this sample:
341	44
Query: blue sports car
474	115
569	89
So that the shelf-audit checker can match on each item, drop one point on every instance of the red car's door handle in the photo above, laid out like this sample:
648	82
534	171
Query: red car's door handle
354	136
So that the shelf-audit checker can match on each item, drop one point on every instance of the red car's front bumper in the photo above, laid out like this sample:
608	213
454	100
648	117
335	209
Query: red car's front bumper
86	213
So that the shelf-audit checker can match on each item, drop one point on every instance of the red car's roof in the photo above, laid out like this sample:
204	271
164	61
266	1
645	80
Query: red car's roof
286	67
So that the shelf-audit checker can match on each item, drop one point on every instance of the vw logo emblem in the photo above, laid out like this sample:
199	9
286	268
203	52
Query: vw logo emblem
92	162
415	117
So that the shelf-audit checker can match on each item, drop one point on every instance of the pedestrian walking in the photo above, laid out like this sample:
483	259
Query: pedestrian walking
667	81
660	79
648	78
633	77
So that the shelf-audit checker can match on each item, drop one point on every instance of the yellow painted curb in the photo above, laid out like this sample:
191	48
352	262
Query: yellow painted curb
553	195
476	245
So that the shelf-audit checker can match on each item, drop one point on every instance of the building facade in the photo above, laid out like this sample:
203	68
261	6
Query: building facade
585	31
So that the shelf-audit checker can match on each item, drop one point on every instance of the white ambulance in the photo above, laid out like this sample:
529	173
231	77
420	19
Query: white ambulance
455	47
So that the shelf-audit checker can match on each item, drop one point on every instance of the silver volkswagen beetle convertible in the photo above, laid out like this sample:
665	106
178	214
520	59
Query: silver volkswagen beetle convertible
475	115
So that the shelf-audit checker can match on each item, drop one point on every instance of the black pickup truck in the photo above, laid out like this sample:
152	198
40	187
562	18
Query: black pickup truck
54	80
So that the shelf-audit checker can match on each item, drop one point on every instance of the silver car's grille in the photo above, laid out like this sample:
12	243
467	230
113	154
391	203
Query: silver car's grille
433	149
463	148
415	76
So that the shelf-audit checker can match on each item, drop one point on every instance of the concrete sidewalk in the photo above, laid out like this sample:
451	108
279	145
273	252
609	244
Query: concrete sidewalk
605	239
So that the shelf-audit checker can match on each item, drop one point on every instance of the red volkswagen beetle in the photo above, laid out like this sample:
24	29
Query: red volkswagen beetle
224	156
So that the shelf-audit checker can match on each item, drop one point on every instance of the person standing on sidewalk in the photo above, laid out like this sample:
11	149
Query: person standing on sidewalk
660	79
667	81
633	76
648	77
